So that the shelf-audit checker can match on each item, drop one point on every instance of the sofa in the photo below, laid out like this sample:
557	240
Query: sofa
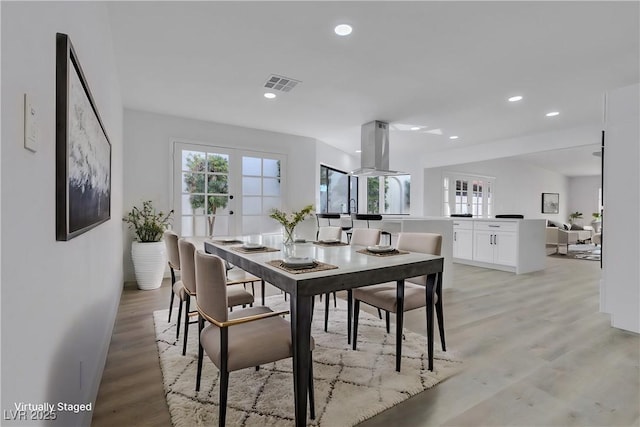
557	236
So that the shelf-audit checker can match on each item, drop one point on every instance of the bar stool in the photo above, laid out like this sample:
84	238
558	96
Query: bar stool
373	217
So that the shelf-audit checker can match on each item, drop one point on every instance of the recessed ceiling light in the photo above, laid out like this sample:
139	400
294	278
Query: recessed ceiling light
343	29
515	98
553	113
453	137
269	95
358	151
415	128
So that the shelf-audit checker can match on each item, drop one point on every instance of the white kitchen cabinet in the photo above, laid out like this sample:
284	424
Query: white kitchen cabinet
463	239
495	242
516	245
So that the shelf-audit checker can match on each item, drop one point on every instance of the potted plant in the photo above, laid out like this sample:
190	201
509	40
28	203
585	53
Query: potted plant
289	221
148	252
574	216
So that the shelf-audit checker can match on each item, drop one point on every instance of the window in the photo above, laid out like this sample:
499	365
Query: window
467	194
338	191
389	194
206	180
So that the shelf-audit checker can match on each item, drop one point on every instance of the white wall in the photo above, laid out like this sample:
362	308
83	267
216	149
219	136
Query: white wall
59	299
518	187
148	160
620	289
583	196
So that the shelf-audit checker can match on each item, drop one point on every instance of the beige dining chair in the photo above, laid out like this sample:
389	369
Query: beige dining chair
241	339
359	237
237	296
177	288
384	296
329	233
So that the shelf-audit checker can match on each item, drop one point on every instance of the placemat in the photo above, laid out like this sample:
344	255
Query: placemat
253	251
319	243
320	266
227	242
390	253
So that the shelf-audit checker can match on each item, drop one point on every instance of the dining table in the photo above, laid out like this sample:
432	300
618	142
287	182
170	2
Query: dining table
344	267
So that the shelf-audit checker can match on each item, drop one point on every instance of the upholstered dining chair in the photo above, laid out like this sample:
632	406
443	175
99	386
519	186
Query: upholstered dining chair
369	218
236	294
177	288
329	233
385	295
241	339
328	217
359	237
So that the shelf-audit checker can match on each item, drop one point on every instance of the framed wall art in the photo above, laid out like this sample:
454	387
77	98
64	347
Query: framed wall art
550	203
83	150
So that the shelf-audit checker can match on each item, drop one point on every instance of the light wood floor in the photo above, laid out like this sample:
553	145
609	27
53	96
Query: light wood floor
536	353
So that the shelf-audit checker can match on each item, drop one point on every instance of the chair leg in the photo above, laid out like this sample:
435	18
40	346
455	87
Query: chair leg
173	295
262	290
356	313
399	322
429	302
200	352
326	312
186	324
349	314
387	320
179	320
440	312
312	404
335	300
380	314
224	374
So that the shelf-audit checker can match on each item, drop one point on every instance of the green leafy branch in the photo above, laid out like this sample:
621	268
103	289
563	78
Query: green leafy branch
292	219
148	224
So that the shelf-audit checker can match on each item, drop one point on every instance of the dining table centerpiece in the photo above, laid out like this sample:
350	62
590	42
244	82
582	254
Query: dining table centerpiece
289	221
148	251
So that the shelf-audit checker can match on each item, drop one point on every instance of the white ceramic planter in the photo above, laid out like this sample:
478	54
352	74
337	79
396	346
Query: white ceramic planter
149	261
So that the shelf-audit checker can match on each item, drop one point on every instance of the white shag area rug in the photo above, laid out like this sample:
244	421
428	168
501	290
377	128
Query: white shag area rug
350	386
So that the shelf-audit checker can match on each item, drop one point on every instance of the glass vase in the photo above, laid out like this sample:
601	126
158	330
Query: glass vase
287	235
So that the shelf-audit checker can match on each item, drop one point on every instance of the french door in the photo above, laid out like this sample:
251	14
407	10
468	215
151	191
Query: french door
468	194
223	191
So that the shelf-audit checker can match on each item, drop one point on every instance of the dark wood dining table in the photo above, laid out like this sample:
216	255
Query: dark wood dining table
353	270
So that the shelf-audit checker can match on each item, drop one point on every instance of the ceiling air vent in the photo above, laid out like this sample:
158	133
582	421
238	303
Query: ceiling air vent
281	83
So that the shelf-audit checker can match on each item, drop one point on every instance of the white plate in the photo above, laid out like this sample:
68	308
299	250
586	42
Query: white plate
380	249
253	246
298	262
330	241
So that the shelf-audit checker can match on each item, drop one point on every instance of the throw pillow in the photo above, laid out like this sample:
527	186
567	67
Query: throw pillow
551	224
576	227
566	226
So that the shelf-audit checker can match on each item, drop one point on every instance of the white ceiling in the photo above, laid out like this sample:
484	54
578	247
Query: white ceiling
440	65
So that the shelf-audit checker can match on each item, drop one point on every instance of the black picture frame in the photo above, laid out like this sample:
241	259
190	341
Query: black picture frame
550	203
83	150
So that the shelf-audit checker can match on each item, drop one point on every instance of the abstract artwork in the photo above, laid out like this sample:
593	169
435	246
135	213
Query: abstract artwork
550	203
83	150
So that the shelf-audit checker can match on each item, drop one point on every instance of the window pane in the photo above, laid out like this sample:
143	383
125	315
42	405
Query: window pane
218	163
251	186
193	182
250	225
218	184
218	205
373	195
193	204
220	225
271	186
338	189
187	226
193	161
269	225
251	166
251	205
271	167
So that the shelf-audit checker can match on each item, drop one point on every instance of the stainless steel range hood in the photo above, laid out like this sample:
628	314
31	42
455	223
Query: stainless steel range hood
374	143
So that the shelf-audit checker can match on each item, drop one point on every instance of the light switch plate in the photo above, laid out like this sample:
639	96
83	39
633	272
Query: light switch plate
30	125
